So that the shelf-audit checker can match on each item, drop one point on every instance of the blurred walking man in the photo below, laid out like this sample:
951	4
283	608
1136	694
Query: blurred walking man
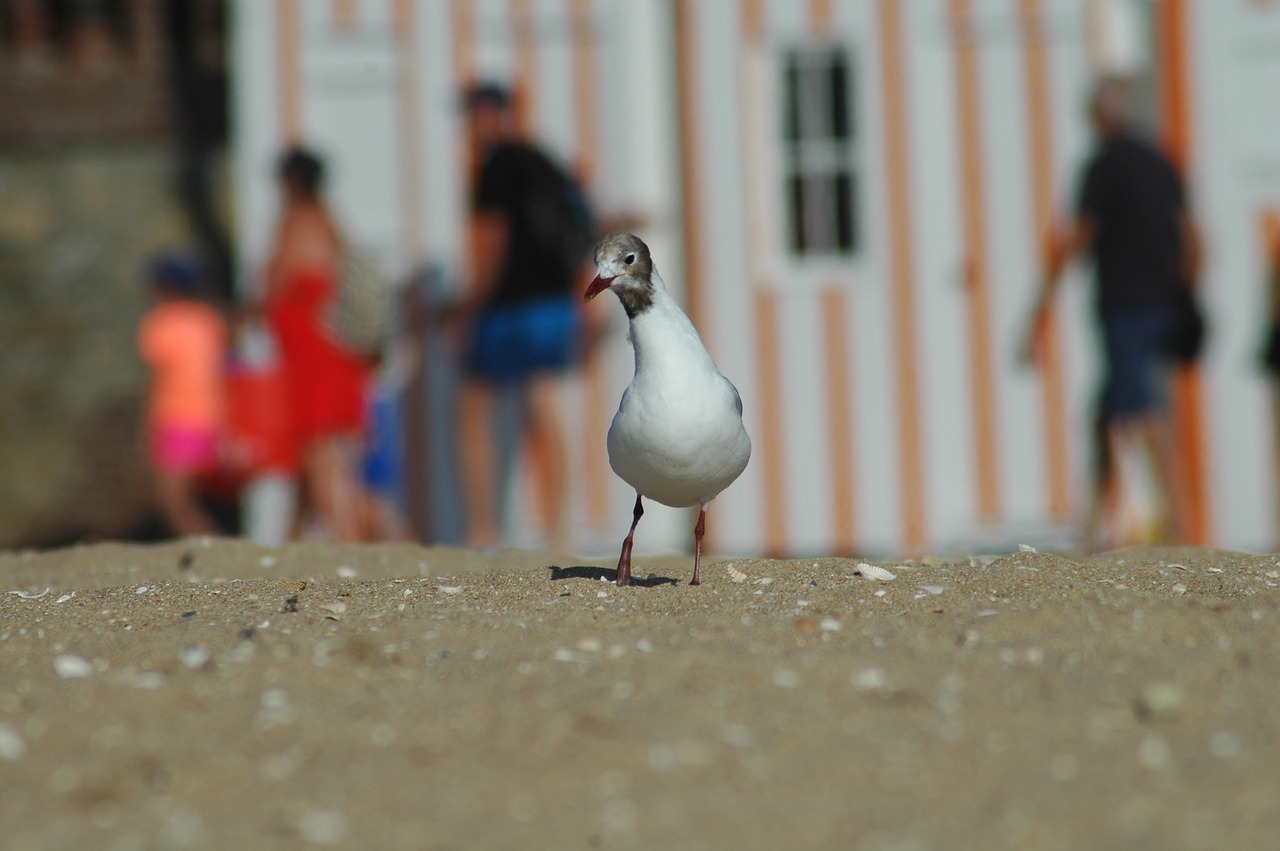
1131	215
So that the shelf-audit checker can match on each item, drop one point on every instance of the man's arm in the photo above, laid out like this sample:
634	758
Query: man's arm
489	233
1058	254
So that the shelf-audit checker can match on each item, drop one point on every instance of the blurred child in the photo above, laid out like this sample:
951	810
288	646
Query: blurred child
384	463
183	339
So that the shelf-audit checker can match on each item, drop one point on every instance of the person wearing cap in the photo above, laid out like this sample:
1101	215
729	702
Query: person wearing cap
183	340
520	323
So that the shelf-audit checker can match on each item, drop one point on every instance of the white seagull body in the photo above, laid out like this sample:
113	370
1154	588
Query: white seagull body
678	436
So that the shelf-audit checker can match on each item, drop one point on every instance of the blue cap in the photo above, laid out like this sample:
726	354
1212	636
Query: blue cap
176	272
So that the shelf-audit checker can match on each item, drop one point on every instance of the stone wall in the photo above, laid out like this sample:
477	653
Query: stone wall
76	226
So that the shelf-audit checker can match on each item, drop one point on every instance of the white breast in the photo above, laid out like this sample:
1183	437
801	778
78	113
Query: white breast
678	436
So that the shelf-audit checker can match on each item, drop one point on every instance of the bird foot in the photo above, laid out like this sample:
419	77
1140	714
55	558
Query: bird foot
623	576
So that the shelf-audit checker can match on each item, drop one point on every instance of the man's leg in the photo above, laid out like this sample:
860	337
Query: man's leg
1153	431
476	452
1134	398
1101	524
548	457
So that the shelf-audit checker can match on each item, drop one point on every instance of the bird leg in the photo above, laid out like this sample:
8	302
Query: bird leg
624	561
697	542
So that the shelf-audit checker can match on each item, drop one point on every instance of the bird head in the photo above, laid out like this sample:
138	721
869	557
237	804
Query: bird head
623	265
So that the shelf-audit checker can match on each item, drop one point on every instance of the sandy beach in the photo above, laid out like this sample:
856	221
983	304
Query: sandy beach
213	694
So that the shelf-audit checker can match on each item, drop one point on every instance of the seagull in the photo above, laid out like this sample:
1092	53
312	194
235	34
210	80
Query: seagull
678	436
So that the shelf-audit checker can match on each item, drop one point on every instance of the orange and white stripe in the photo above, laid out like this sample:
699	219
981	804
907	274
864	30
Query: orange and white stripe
1188	383
595	403
410	145
288	71
771	450
881	393
984	407
901	269
834	309
1044	203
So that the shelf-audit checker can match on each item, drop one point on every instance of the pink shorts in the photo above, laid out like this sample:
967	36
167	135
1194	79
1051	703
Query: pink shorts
183	449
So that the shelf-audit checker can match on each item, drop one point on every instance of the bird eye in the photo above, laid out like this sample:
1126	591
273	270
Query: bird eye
629	259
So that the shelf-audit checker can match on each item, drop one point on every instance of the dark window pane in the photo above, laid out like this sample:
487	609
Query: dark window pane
846	212
795	195
818	121
841	120
791	100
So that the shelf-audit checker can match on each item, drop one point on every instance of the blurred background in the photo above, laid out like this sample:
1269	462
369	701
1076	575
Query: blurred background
853	198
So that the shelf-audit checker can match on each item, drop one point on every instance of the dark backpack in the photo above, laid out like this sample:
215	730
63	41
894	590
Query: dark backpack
1187	333
558	216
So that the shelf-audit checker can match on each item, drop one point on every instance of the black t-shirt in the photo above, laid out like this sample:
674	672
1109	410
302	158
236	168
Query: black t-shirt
1135	197
523	185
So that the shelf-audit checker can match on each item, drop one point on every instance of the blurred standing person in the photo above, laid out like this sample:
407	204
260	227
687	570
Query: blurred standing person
1132	216
522	323
1270	354
327	382
183	340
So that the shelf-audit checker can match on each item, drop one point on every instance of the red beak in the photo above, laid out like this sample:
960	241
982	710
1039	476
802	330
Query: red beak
598	285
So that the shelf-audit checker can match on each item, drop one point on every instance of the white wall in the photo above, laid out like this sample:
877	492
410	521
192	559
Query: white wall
356	109
381	106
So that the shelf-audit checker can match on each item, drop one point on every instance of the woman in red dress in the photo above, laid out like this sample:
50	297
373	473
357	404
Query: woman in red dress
327	381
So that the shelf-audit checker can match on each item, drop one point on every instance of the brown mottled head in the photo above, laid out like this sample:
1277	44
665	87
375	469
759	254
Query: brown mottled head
623	265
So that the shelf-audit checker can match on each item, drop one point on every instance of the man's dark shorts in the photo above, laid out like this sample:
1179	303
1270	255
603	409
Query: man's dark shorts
1136	364
511	343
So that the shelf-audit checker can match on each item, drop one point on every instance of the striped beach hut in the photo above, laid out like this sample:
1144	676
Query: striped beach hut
852	197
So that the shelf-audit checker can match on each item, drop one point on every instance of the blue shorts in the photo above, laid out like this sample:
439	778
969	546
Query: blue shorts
1136	364
510	343
383	458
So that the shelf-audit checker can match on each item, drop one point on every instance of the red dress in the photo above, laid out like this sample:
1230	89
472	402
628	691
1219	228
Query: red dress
327	382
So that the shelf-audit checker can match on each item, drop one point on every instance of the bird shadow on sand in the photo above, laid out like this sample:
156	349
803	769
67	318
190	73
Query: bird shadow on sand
609	574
